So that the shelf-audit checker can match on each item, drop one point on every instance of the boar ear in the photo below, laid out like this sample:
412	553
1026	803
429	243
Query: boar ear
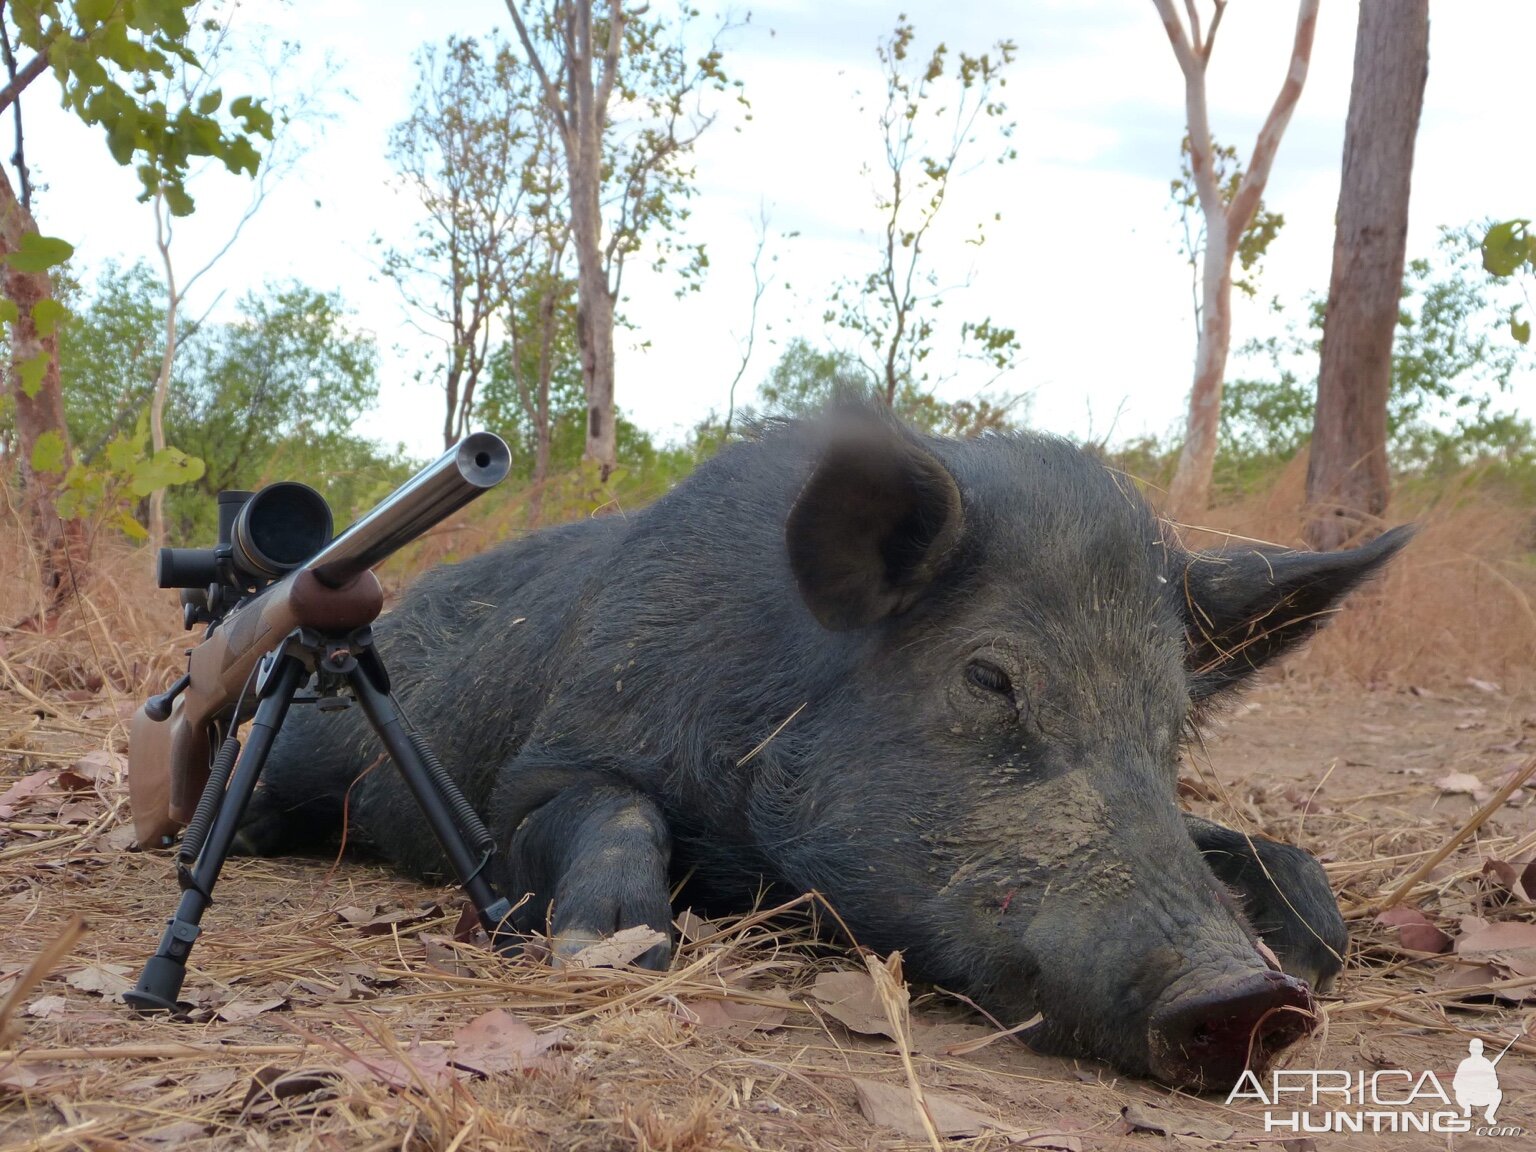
872	526
1246	608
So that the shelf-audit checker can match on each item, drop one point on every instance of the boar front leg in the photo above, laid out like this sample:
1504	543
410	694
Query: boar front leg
590	852
1285	895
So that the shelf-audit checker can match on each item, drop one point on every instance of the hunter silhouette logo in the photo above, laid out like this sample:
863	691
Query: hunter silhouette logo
1477	1080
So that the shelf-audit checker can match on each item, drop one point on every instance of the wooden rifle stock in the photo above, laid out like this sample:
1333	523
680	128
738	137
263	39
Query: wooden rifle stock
168	760
333	593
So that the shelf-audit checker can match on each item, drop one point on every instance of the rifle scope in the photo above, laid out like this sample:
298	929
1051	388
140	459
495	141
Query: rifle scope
262	537
286	526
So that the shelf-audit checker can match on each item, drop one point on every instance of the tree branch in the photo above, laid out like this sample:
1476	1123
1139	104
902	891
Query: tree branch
1188	62
616	22
551	93
1246	202
1201	163
1210	37
30	72
1194	26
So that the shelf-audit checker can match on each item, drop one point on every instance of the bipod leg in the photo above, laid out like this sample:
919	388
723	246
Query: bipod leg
447	810
161	980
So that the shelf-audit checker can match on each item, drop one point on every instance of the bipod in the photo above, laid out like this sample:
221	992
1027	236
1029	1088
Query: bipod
351	662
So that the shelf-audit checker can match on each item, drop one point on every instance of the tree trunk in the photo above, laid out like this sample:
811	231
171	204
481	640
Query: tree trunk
1190	493
163	380
1347	477
39	418
595	297
548	306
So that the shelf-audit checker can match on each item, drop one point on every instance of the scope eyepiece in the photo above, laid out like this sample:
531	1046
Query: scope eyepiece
187	568
278	529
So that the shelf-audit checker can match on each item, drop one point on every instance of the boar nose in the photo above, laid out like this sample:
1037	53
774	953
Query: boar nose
1206	1039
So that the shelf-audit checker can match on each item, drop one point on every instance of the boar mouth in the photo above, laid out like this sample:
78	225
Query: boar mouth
1201	1041
1206	1040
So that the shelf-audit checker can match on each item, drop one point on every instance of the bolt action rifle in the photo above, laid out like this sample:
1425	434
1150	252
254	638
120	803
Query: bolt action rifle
287	607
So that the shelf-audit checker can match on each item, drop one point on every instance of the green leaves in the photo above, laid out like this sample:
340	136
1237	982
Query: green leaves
113	60
165	468
892	310
32	372
109	487
1507	249
48	453
1508	246
39	253
46	314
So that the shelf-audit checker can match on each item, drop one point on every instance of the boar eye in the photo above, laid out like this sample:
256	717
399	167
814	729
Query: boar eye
989	676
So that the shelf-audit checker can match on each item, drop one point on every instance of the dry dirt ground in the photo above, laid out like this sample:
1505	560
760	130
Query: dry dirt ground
332	1007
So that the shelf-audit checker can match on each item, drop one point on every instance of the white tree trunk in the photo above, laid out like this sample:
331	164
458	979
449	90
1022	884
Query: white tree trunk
1190	493
163	380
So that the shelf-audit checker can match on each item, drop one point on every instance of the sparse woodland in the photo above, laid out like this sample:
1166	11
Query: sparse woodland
339	1006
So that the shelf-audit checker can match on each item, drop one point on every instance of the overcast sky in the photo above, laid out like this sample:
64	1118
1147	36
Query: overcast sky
1084	263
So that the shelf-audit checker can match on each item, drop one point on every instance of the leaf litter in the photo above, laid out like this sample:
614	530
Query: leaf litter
644	1051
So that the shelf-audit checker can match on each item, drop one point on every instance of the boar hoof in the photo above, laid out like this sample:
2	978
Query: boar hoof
1284	894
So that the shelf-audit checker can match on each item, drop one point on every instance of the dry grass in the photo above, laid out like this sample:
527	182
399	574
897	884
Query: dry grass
349	1037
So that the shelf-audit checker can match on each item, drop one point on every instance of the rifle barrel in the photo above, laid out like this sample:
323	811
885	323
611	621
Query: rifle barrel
479	461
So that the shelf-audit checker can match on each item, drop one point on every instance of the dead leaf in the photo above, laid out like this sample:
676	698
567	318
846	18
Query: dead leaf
1506	944
1305	801
21	793
1415	931
1472	980
892	1105
623	947
109	980
31	1076
1517	879
692	928
80	812
210	1083
46	1007
1459	783
469	930
122	710
102	764
121	838
1140	1117
497	1041
176	1133
72	781
850	998
736	1016
416	1067
273	1087
1061	1141
442	955
238	1010
372	922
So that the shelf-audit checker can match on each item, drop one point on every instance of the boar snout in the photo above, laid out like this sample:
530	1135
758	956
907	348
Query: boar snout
1205	1038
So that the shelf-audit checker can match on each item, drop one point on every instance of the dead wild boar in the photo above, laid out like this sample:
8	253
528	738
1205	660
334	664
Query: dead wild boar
977	660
